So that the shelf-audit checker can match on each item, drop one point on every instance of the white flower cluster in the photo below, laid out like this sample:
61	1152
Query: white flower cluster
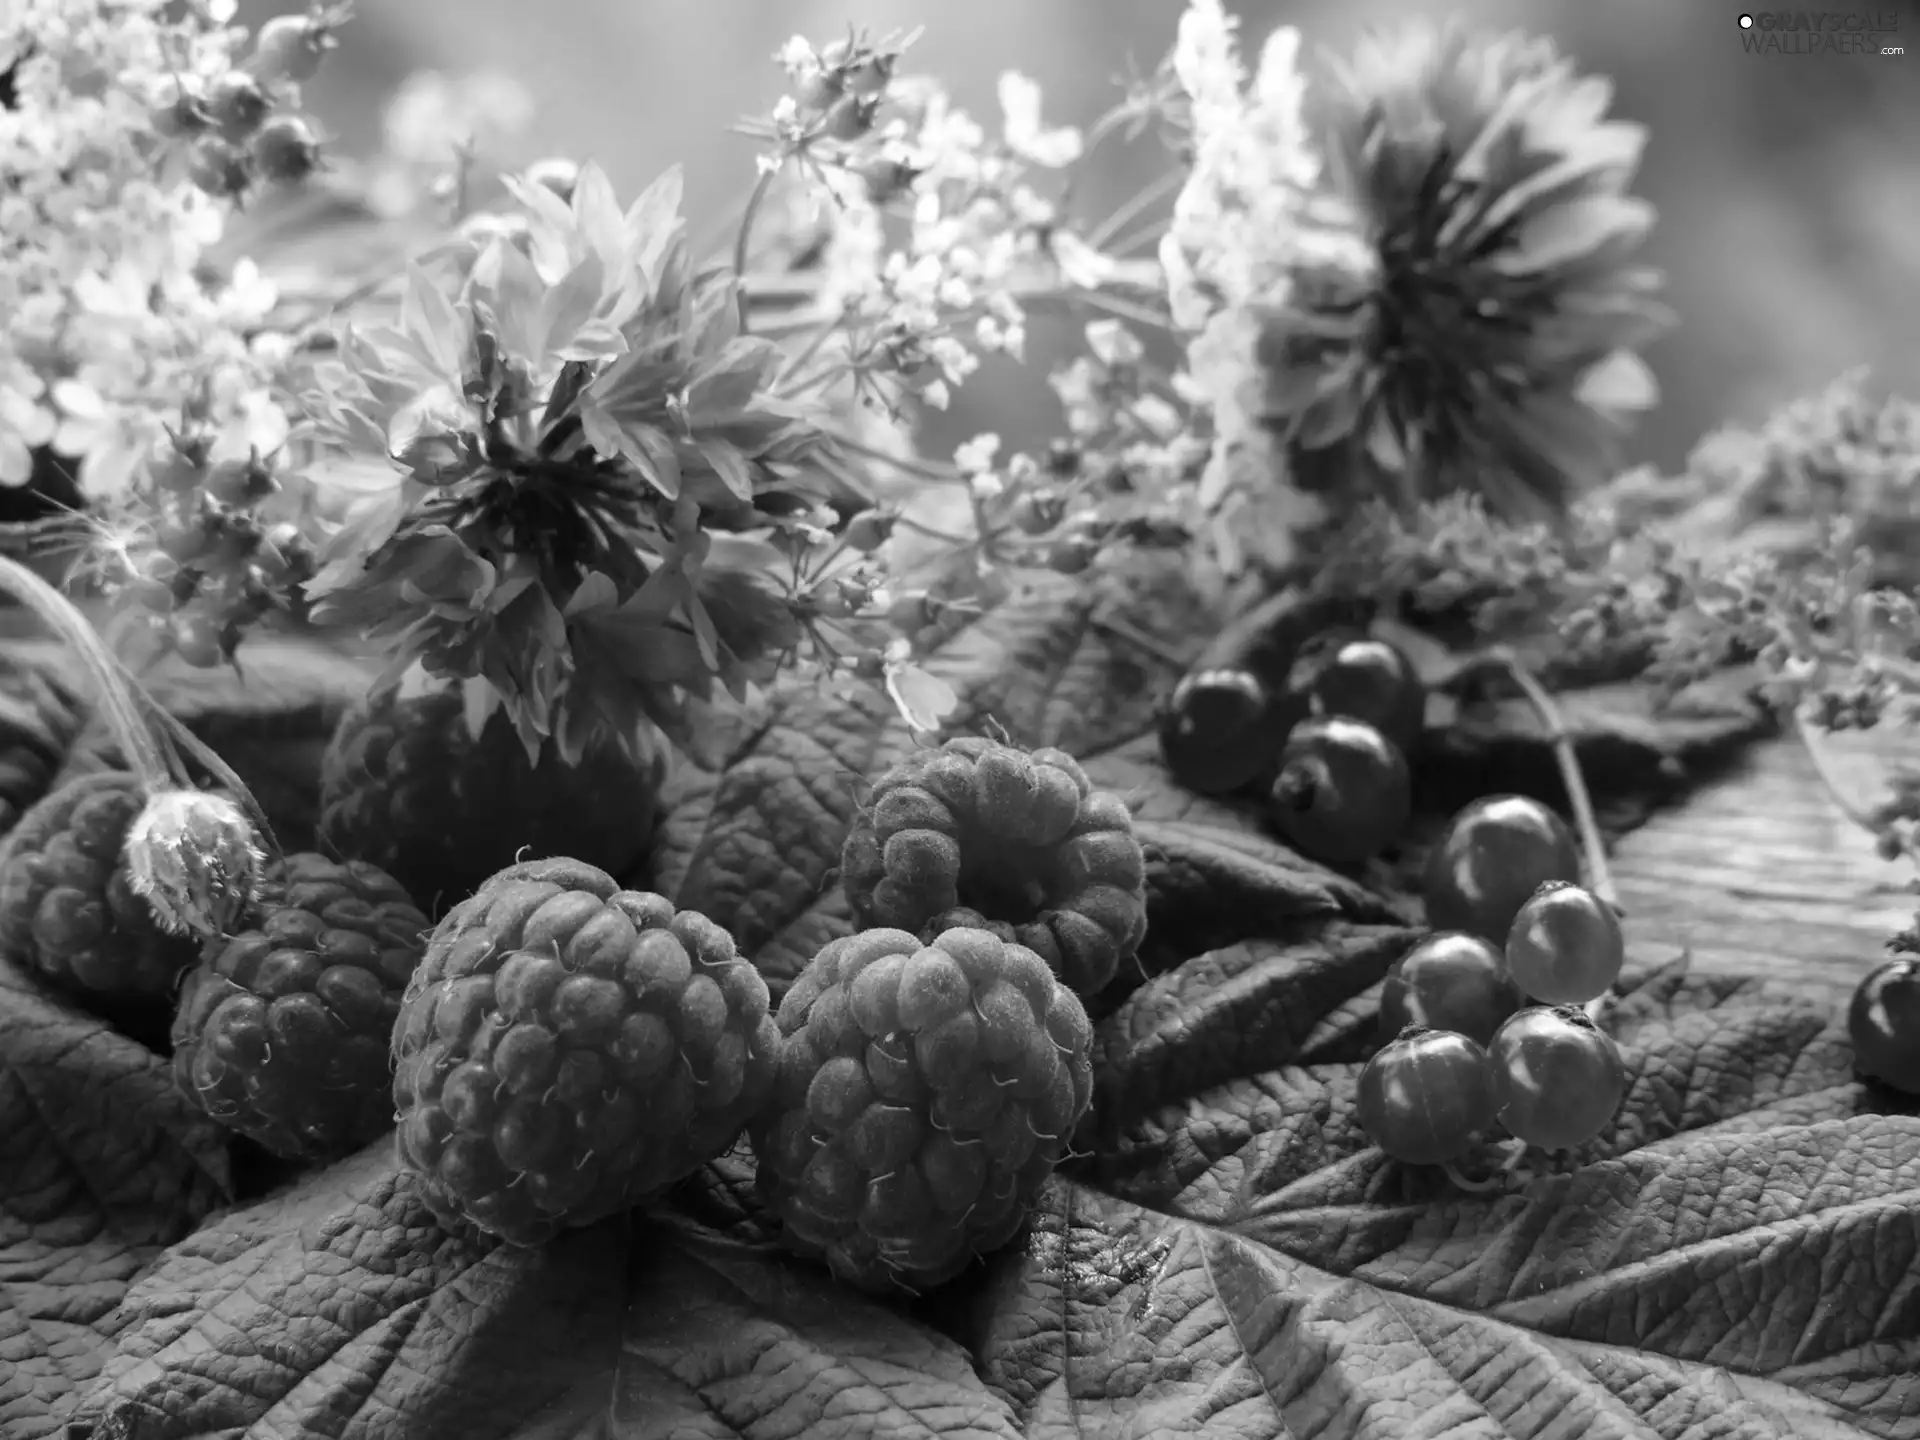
110	330
1250	217
930	296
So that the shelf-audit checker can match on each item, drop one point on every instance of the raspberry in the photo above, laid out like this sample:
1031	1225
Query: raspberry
925	1093
569	1049
406	786
283	1032
979	833
67	904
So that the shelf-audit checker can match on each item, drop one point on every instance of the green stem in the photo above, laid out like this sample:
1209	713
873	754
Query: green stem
903	463
743	242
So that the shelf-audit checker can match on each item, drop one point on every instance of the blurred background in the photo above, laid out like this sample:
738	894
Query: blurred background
1788	186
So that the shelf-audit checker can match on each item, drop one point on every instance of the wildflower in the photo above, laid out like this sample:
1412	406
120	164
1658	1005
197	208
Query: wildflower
552	432
1490	342
100	243
1249	222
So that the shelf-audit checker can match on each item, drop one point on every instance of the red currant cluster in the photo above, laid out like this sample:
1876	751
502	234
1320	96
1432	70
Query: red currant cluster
1463	1049
235	127
206	565
1321	733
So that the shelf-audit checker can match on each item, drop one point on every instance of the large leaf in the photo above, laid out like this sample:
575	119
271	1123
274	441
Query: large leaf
102	1165
341	1309
1224	1255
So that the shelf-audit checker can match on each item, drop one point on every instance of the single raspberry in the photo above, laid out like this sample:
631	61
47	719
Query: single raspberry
1009	838
569	1049
67	902
283	1032
406	786
925	1093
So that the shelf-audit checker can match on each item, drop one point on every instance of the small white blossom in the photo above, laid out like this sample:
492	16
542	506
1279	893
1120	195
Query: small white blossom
1025	136
976	456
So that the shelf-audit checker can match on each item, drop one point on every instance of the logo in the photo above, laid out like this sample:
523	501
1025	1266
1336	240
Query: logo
1821	32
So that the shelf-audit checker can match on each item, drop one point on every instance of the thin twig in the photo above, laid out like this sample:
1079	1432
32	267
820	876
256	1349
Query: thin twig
743	243
906	464
1169	181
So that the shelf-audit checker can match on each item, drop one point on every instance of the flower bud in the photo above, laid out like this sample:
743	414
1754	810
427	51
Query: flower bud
556	173
196	861
219	169
236	103
850	118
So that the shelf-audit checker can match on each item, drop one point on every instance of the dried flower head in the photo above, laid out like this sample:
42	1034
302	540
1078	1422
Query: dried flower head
196	860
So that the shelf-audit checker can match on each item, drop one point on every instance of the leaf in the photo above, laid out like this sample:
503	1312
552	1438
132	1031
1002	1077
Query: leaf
341	1309
102	1164
731	1342
653	220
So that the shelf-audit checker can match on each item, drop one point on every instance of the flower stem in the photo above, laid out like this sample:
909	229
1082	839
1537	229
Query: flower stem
743	243
906	464
113	687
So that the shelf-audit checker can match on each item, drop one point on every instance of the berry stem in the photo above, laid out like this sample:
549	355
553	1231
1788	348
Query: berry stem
1580	800
1593	846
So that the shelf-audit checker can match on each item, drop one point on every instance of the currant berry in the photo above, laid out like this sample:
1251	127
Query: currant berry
1496	852
1565	947
1369	680
1884	1021
1214	733
1449	981
1425	1095
1558	1078
1343	793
